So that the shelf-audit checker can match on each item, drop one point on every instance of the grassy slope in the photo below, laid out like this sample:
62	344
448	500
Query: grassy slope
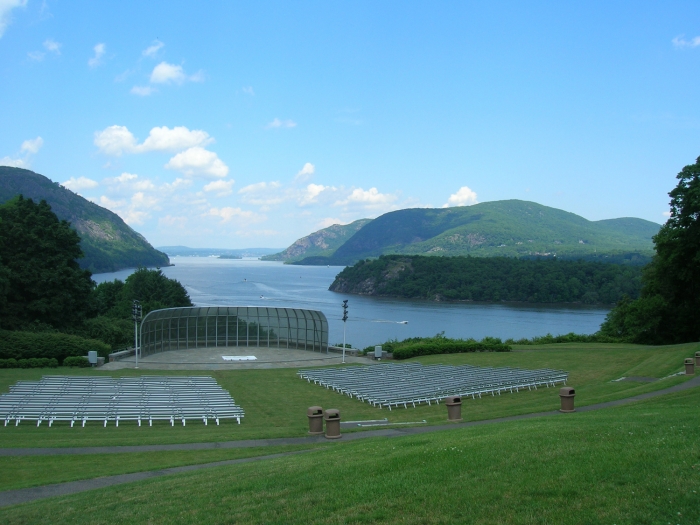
275	400
638	464
482	229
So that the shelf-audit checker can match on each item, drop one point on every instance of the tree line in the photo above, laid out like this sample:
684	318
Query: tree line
491	279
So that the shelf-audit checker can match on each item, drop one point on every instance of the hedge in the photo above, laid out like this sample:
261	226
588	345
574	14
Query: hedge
34	362
51	345
76	360
566	338
447	347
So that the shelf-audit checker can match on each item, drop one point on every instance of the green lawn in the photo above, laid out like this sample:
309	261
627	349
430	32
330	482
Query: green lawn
275	400
635	464
32	471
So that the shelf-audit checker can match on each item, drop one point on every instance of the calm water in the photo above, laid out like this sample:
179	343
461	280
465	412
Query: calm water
226	282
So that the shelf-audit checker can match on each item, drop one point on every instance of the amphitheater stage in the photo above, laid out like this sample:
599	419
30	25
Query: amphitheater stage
213	359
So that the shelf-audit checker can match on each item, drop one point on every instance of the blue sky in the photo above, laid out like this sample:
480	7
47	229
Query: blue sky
249	124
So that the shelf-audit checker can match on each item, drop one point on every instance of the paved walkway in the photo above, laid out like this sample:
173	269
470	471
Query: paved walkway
12	497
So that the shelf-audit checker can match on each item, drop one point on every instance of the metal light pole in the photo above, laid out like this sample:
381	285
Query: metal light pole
345	318
136	312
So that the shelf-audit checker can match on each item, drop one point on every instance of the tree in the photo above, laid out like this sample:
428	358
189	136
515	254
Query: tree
153	289
668	310
45	284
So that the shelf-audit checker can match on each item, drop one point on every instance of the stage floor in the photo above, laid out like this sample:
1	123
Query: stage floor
211	359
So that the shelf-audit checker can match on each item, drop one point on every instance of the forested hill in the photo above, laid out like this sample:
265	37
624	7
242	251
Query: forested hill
108	243
510	228
490	279
322	243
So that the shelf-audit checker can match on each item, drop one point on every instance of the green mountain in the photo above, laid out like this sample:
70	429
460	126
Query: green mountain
108	243
322	243
510	228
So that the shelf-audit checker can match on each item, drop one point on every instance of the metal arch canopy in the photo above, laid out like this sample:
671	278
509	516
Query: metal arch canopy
195	327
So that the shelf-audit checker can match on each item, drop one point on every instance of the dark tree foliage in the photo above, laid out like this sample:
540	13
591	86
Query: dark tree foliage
490	279
153	289
668	310
45	285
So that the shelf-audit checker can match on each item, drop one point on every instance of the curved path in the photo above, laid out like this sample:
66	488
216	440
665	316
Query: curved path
13	497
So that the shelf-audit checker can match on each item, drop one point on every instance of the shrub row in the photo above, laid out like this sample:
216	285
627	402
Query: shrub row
566	338
34	362
447	347
51	345
77	360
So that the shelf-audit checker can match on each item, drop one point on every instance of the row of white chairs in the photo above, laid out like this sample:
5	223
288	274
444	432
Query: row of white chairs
105	399
393	385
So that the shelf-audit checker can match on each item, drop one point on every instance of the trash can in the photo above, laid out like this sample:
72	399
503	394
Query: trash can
697	358
567	399
315	420
332	418
92	357
689	366
454	408
378	353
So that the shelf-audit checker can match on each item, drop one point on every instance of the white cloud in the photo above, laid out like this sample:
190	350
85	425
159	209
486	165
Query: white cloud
130	182
221	187
135	210
81	183
32	145
311	193
177	184
52	46
259	186
152	50
28	148
329	221
143	91
666	214
14	163
116	140
369	198
37	56
6	6
165	73
277	123
682	43
122	179
198	161
100	49
305	173
177	138
463	197
228	213
248	90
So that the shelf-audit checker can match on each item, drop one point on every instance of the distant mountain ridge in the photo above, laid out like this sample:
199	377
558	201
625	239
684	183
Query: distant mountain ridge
322	243
512	228
186	251
108	243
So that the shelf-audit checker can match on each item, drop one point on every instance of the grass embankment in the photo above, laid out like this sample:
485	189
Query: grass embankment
636	464
275	400
33	471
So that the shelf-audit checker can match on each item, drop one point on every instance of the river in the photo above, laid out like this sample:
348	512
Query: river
372	320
